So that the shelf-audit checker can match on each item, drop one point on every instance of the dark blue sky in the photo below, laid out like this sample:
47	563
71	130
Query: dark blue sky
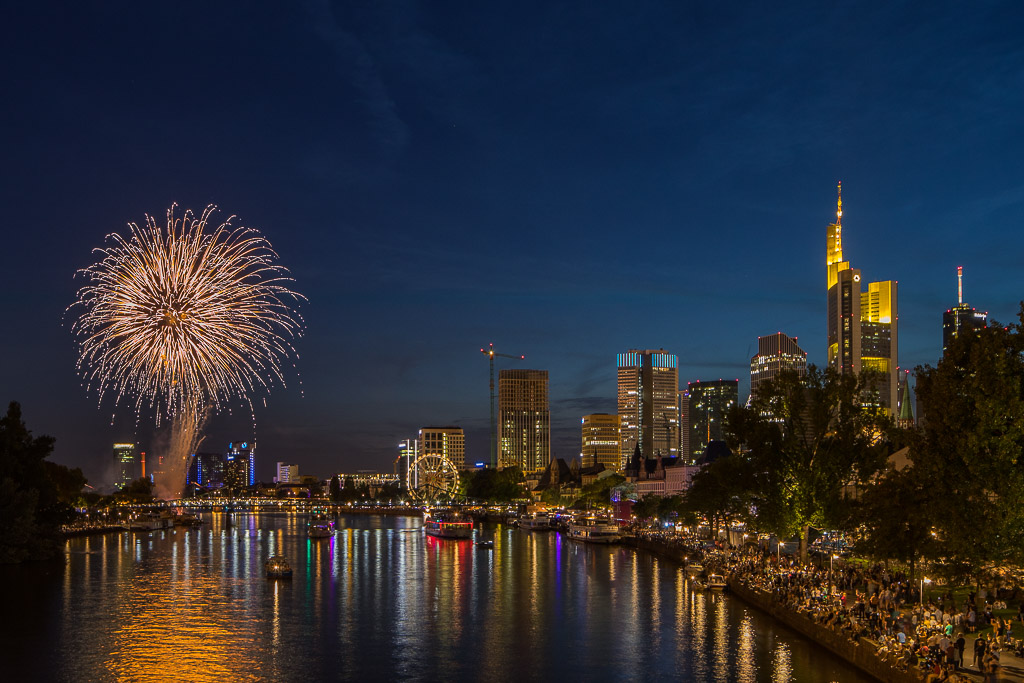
565	180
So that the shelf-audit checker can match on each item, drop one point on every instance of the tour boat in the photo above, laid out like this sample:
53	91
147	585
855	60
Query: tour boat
278	568
595	530
149	521
446	524
535	521
320	527
716	582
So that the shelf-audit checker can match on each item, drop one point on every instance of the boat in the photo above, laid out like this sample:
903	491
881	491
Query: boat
694	568
535	520
278	568
149	521
187	519
716	582
485	545
594	529
446	524
320	527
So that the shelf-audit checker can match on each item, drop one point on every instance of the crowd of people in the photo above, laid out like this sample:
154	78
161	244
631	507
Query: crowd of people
885	610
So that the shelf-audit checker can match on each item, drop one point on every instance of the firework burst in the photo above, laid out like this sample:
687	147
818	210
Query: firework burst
183	319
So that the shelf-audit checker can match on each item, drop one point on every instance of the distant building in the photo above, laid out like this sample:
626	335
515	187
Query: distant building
709	403
648	396
239	451
861	325
962	317
775	353
600	441
449	442
905	409
125	471
287	473
524	420
206	470
684	424
408	451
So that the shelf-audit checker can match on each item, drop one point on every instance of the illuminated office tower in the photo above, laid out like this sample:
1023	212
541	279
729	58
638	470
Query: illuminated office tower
124	463
524	420
648	397
961	317
775	353
600	441
862	325
709	404
287	473
683	406
240	465
449	442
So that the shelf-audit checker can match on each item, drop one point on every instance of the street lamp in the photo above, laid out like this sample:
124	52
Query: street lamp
923	582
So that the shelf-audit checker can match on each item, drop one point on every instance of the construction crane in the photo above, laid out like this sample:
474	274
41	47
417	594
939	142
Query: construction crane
491	353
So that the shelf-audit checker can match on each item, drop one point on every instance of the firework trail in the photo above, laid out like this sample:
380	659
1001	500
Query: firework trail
181	319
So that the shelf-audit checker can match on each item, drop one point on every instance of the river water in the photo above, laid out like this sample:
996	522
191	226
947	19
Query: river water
380	601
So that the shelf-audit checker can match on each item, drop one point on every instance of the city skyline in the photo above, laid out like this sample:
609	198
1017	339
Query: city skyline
654	180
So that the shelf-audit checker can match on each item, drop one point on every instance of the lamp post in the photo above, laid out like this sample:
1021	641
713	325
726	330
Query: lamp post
923	582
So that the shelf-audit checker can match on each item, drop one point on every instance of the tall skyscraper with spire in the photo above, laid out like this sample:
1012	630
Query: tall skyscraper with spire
862	325
962	316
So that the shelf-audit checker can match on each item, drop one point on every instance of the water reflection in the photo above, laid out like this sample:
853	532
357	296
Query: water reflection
382	601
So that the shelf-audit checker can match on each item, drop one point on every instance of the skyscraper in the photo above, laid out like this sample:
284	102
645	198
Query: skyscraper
961	317
524	420
862	325
648	399
775	353
124	464
240	465
449	442
709	404
600	441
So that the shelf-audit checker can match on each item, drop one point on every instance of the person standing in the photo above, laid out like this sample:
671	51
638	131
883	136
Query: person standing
979	650
960	643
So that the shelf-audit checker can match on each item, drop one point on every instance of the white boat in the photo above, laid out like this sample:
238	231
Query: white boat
535	521
595	530
320	527
446	524
694	568
716	582
149	521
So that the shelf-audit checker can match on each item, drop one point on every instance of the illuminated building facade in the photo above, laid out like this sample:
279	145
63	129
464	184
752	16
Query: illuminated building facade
124	464
775	353
709	403
524	420
408	451
449	442
206	469
683	406
862	324
240	465
648	397
600	441
960	317
287	473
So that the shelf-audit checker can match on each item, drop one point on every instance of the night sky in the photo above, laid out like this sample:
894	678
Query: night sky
567	181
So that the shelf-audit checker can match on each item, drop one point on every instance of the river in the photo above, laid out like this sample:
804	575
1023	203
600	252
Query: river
380	601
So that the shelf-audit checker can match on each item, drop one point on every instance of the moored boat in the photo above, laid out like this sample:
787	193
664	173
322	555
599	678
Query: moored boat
535	519
716	582
446	524
594	529
149	521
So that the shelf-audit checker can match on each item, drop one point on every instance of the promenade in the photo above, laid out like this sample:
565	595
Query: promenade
870	617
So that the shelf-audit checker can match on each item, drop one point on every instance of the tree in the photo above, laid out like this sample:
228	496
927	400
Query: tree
971	441
138	491
497	486
720	492
897	519
30	514
598	492
335	489
804	441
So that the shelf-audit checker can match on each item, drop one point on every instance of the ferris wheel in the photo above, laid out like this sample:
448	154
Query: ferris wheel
433	477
